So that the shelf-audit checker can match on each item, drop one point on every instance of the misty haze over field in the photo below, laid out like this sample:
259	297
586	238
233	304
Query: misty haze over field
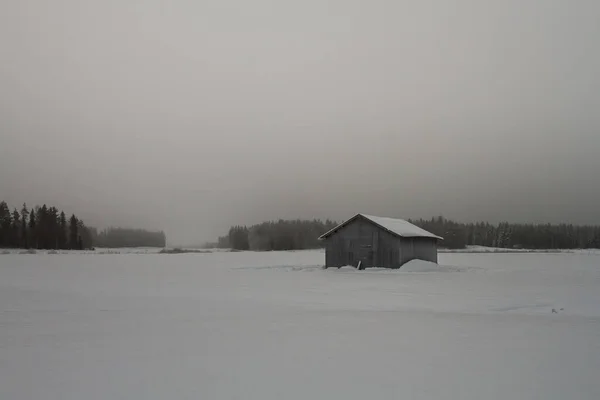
191	116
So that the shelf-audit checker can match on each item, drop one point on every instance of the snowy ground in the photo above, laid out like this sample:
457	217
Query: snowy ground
484	249
277	326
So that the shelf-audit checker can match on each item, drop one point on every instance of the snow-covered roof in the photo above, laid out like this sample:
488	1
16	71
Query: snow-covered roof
398	227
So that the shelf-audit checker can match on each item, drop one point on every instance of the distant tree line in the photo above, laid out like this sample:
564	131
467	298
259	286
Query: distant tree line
50	229
126	237
42	228
509	235
303	234
277	235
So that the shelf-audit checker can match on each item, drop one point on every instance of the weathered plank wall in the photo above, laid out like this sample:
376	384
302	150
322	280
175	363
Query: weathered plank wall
426	249
418	248
362	241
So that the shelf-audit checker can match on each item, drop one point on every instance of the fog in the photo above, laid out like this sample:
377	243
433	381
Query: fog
190	116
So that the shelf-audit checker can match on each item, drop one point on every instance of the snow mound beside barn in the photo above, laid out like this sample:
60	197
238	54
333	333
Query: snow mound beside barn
420	266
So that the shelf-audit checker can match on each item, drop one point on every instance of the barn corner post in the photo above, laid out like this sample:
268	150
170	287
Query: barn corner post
328	253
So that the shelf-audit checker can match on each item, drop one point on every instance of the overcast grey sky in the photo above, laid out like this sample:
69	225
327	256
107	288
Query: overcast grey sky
192	115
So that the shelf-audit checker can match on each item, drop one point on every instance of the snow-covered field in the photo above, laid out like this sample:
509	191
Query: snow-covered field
276	326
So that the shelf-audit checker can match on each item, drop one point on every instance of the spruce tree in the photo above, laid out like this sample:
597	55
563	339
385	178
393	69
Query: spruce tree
24	233
53	228
33	240
73	232
62	231
42	223
15	229
5	225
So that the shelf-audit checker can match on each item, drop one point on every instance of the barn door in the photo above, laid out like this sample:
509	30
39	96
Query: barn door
366	251
362	255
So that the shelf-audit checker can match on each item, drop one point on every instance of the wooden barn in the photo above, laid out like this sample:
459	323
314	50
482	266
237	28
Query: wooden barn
367	241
